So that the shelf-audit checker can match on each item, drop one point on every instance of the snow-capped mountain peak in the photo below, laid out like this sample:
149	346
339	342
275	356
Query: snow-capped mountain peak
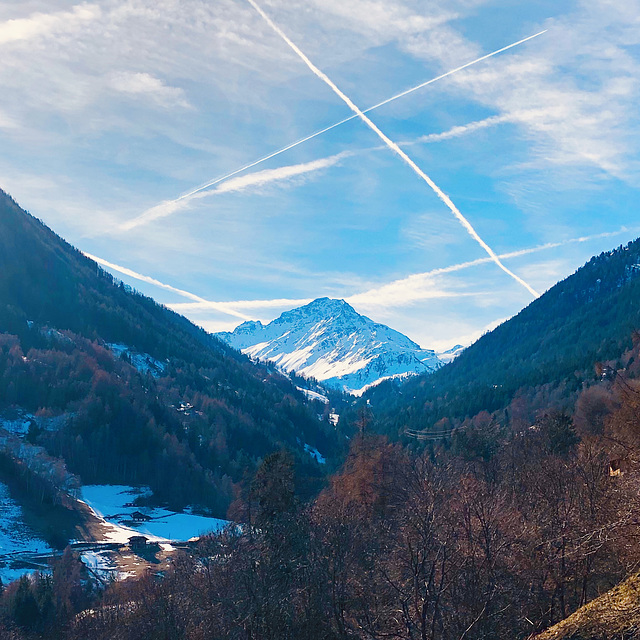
329	340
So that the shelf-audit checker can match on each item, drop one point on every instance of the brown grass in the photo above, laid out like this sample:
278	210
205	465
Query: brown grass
613	616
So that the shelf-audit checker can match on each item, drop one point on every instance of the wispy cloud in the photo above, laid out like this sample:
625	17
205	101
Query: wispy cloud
395	148
7	123
460	130
185	198
242	183
255	305
401	292
418	286
41	24
573	96
148	86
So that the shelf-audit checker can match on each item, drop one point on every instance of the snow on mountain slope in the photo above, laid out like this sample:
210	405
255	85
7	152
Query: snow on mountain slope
328	340
451	354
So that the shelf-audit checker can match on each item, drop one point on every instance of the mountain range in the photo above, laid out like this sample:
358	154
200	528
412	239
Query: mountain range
99	384
138	387
329	341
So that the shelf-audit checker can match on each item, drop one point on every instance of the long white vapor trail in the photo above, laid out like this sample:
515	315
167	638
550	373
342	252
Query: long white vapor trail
240	183
218	306
174	204
395	148
370	296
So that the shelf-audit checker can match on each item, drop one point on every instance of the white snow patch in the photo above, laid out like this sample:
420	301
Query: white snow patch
143	362
102	565
397	376
19	426
451	354
15	537
314	453
312	395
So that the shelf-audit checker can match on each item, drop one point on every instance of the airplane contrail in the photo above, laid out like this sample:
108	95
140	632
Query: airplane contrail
231	308
218	306
395	148
239	183
143	218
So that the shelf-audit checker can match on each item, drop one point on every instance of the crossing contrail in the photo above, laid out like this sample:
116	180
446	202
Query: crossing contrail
395	148
366	297
187	196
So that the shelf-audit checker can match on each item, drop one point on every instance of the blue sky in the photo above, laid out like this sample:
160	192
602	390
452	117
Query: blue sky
110	111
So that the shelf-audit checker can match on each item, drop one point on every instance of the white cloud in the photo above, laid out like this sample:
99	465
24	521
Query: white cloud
218	306
254	180
7	122
48	24
461	130
146	85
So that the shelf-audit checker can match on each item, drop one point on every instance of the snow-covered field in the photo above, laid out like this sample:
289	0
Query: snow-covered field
101	564
114	503
15	537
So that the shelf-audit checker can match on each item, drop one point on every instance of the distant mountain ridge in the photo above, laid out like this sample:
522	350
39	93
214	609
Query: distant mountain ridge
330	341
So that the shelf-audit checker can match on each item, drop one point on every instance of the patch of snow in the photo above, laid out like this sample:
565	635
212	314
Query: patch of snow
451	354
101	564
359	392
314	453
312	395
18	427
334	418
143	362
15	537
16	421
114	503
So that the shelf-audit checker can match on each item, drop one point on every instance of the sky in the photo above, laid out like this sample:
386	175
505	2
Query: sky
123	124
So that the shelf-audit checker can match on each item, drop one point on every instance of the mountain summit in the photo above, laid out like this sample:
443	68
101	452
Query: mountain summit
329	340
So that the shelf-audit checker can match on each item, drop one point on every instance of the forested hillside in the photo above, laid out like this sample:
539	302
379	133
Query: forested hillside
144	396
550	347
402	544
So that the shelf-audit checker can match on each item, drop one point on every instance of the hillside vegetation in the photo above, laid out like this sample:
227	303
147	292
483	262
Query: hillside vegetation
613	616
550	346
191	424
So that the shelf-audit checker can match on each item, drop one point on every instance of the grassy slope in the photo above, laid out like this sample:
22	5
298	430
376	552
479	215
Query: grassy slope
613	616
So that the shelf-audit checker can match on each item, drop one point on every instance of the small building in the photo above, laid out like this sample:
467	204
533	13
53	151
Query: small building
138	516
618	466
137	543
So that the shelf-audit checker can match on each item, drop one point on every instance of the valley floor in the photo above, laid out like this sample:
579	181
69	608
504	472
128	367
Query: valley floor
100	525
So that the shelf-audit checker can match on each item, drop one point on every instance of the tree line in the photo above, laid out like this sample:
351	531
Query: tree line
466	541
